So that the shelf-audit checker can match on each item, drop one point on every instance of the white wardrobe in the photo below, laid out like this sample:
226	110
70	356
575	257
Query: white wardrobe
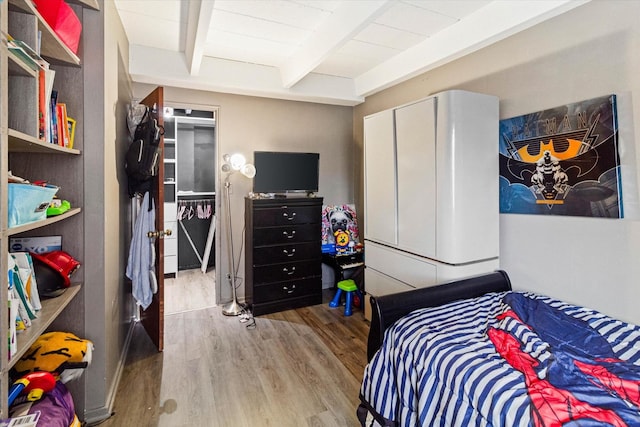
431	191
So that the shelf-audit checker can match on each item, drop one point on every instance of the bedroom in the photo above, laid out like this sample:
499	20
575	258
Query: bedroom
582	260
587	52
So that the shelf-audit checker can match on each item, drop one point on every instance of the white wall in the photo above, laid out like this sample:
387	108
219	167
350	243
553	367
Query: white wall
590	51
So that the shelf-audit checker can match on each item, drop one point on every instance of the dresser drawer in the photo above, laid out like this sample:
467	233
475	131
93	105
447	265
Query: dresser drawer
286	271
286	215
288	289
286	253
283	235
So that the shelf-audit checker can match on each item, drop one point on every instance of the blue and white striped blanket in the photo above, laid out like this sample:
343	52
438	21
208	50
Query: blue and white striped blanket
439	367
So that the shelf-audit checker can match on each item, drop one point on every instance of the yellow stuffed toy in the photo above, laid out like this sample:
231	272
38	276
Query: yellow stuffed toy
61	353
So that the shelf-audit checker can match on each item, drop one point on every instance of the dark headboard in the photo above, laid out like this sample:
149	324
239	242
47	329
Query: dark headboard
387	309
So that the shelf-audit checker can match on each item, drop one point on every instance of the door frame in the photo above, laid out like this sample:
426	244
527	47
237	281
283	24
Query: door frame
216	241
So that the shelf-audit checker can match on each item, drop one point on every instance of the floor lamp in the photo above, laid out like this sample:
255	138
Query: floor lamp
233	163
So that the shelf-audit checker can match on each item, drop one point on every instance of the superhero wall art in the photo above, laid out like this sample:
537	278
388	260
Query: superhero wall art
562	161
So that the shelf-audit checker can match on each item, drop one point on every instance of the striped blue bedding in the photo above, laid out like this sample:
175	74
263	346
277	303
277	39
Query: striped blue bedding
505	359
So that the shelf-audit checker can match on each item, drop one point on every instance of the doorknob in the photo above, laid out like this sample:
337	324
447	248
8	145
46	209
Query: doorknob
160	234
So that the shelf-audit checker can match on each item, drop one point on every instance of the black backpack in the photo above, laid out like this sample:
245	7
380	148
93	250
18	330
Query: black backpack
144	155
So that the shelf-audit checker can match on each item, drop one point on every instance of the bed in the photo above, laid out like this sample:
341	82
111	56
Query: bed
476	353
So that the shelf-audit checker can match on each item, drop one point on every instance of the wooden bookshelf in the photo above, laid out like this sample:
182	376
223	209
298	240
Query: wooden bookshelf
22	143
52	48
37	224
51	308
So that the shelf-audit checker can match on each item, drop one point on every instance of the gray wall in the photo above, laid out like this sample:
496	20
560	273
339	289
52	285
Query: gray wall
247	124
108	301
590	51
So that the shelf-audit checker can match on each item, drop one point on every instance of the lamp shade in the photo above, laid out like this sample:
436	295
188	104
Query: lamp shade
248	170
237	161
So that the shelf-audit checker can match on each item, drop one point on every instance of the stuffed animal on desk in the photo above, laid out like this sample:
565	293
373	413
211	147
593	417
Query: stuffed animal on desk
342	241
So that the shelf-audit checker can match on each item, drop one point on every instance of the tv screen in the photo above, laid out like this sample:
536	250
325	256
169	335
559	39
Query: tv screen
281	172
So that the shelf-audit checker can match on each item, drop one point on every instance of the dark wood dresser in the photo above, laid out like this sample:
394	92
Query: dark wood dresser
283	256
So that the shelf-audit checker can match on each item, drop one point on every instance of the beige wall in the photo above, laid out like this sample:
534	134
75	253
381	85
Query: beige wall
590	51
247	124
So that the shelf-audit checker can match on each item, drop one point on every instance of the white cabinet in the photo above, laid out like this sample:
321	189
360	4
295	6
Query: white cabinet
171	240
380	178
431	190
416	170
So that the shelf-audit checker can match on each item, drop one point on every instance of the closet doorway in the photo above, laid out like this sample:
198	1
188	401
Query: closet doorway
190	153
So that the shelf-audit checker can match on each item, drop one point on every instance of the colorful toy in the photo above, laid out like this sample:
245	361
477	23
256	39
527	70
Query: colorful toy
352	292
34	385
342	241
60	353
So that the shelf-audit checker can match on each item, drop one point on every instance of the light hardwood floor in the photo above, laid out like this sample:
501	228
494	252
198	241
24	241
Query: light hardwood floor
189	290
296	368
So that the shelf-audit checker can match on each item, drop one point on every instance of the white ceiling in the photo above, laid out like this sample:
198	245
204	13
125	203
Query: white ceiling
328	51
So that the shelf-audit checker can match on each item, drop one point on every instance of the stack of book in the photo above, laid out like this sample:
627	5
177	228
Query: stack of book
55	126
24	300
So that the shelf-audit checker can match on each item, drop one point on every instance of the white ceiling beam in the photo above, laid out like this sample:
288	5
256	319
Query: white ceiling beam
168	68
344	23
198	20
490	24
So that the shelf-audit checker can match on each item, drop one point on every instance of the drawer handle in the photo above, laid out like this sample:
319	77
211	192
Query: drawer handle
289	235
286	252
286	215
286	270
289	291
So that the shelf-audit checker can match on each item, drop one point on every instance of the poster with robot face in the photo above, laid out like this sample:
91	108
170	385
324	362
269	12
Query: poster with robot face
562	161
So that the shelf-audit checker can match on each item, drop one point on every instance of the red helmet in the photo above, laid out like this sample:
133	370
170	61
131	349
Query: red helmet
53	271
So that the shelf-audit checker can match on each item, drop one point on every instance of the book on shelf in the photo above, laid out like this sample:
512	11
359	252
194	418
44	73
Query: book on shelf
53	117
25	53
71	124
25	308
42	105
28	277
48	90
63	127
13	331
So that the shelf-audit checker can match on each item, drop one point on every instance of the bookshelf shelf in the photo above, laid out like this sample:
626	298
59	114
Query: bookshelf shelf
51	309
37	224
17	67
22	143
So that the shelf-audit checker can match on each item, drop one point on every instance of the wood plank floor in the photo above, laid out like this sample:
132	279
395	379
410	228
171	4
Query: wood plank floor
295	368
189	290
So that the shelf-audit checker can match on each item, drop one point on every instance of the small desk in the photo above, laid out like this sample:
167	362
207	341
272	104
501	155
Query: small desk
342	262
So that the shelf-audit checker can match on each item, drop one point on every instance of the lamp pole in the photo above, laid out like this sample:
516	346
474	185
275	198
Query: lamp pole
233	308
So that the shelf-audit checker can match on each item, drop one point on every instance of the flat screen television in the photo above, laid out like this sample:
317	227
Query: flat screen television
284	172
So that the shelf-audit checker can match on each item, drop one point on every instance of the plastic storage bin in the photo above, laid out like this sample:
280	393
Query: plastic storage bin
28	203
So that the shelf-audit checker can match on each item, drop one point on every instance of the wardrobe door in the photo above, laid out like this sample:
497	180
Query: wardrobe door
416	168
380	178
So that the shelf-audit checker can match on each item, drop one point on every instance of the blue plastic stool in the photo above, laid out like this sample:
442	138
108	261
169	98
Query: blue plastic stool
348	286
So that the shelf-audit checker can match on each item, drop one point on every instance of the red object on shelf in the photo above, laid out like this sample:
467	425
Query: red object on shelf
62	19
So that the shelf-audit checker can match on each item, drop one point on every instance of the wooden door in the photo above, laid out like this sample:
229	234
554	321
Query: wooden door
152	318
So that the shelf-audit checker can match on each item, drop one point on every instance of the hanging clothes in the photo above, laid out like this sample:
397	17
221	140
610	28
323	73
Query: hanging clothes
141	264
